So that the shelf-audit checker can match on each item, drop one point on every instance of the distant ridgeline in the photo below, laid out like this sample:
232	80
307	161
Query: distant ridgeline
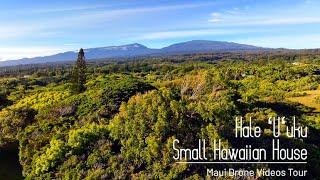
138	50
11	68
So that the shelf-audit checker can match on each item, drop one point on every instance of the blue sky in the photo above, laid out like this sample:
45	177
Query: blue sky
37	28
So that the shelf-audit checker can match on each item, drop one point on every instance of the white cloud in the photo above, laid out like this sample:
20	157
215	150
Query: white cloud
215	20
8	32
215	17
177	34
9	53
64	9
296	42
215	14
296	15
236	11
93	7
116	13
191	33
279	21
50	26
247	21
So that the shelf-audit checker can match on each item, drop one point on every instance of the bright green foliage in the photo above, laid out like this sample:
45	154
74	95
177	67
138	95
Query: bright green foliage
42	100
50	157
79	142
73	112
144	127
147	125
79	138
122	125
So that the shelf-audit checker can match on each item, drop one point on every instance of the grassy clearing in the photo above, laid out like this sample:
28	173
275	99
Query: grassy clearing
309	99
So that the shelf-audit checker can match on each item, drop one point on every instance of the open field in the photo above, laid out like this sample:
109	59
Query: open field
309	99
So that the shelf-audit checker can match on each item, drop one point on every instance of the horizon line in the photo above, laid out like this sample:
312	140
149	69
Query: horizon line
155	48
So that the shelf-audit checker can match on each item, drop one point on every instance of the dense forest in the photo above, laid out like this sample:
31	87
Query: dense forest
122	124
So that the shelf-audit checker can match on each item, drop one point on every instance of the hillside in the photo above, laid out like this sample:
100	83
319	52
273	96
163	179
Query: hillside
132	50
122	125
197	46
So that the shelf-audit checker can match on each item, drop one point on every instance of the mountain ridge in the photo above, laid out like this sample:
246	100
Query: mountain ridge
136	49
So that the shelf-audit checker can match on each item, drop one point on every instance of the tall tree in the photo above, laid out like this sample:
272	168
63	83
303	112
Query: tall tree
79	72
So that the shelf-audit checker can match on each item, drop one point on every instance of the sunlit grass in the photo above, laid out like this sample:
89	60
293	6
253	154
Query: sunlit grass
309	99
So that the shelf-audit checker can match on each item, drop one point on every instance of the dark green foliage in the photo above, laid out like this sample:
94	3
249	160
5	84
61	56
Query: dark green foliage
3	101
13	121
79	73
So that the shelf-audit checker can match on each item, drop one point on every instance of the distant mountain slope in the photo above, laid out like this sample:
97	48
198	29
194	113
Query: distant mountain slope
118	51
206	46
91	53
132	50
